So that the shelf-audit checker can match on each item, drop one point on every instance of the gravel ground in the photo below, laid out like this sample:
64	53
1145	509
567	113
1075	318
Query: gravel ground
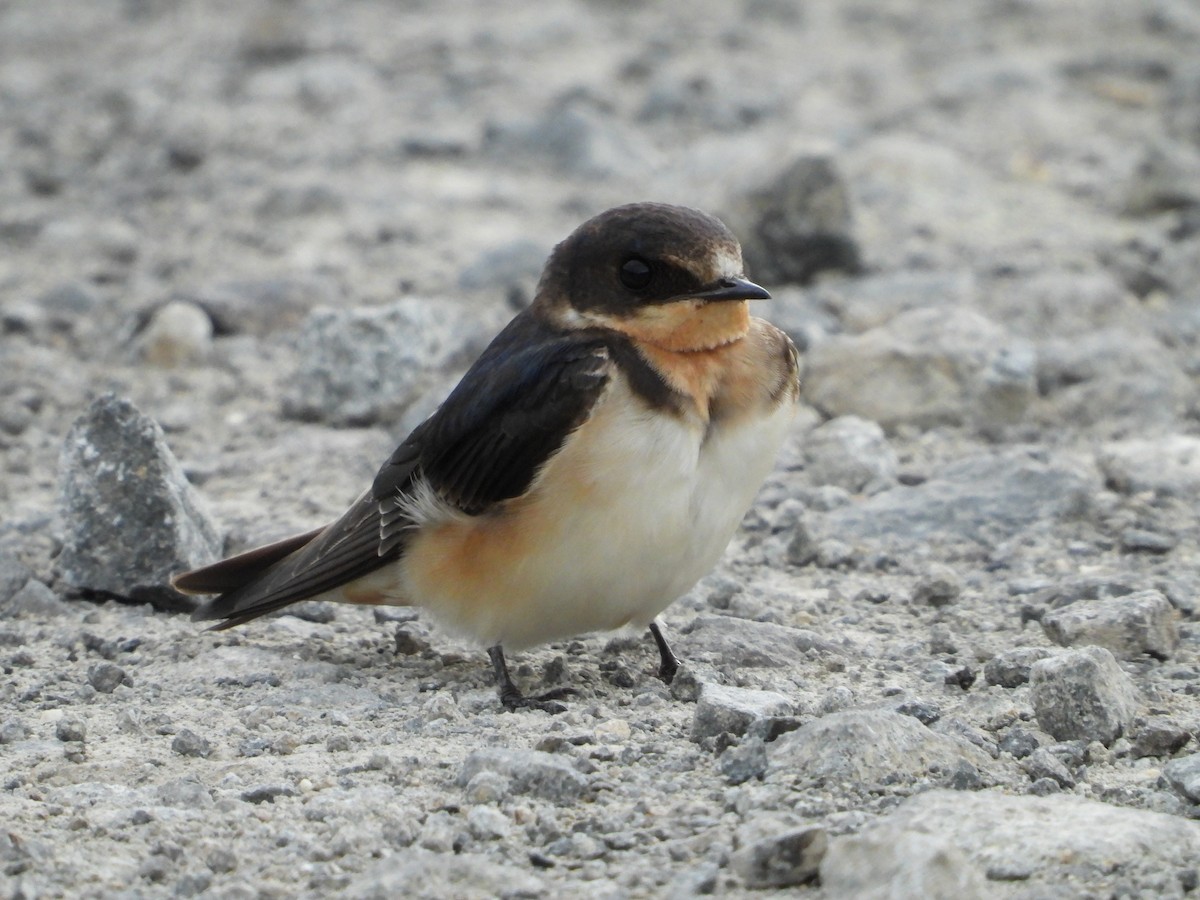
954	649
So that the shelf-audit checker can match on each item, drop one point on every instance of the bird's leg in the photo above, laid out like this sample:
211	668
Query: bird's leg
511	697
669	665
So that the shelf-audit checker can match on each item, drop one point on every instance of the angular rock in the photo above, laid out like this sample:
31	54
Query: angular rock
130	518
1169	466
1083	695
745	760
188	743
1023	838
924	368
105	677
417	872
1010	669
779	858
866	747
528	772
797	222
1129	626
1041	763
1159	736
732	642
1184	776
986	498
722	709
35	599
365	365
884	863
850	453
940	585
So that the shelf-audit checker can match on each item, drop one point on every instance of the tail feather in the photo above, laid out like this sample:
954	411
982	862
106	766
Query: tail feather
238	571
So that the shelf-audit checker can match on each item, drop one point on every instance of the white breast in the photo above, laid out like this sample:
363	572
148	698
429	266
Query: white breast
635	509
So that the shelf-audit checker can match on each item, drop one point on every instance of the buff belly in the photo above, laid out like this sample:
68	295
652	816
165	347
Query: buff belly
635	509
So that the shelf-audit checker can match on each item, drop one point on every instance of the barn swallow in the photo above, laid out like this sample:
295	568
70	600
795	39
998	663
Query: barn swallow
590	467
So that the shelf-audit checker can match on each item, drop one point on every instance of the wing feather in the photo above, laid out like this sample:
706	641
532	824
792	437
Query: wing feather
487	442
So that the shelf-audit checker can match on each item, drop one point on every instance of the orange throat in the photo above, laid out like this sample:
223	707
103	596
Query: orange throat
689	343
689	326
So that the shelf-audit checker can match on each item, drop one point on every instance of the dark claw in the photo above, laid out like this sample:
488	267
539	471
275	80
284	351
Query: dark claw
511	697
669	665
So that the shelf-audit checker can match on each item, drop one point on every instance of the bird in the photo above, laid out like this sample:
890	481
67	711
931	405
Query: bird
590	467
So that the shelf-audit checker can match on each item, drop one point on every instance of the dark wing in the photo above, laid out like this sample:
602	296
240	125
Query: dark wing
486	443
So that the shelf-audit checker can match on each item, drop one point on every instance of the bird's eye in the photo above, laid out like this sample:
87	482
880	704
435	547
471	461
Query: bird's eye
635	273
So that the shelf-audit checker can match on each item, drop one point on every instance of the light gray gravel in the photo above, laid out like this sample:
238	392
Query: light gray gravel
979	221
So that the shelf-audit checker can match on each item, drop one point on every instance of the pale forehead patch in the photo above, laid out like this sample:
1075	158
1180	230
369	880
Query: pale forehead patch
727	261
722	261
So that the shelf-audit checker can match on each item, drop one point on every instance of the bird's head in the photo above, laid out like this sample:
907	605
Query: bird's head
665	275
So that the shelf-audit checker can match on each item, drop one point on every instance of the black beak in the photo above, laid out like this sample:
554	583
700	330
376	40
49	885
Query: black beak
732	289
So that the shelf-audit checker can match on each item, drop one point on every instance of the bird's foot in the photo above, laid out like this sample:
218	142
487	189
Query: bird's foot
513	700
511	697
669	664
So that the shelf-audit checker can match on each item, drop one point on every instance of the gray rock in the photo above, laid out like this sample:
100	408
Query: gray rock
870	301
867	747
266	793
1159	736
528	772
261	307
13	575
71	729
730	642
850	453
1010	668
1083	695
574	136
1041	763
178	334
36	600
1129	626
486	823
1059	302
925	367
745	760
363	365
1010	838
986	498
797	222
129	516
13	730
1142	540
184	793
105	677
940	585
1110	380
886	863
721	709
779	858
1019	743
188	743
419	872
1184	776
